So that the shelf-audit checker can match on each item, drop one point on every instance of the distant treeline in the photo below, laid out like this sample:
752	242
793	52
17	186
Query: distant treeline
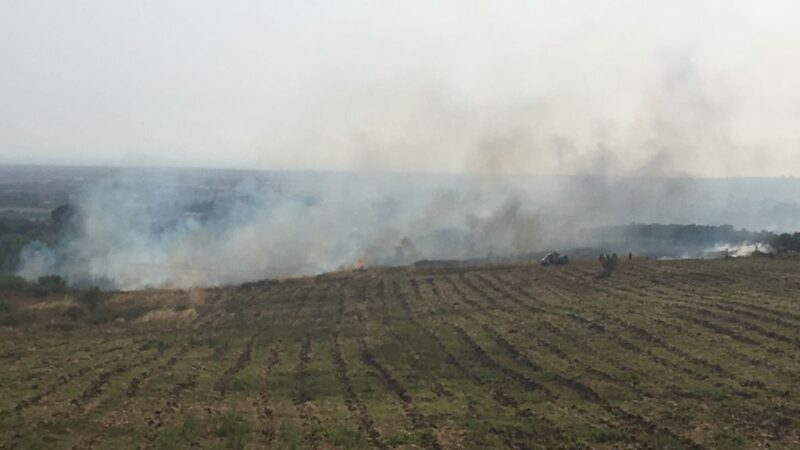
785	243
686	234
691	240
16	232
670	240
689	234
23	227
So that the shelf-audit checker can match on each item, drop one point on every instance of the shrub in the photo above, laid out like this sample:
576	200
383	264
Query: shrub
91	298
12	283
50	284
39	291
11	316
75	312
10	246
100	315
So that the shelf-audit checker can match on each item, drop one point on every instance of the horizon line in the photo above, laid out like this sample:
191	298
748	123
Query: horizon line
394	173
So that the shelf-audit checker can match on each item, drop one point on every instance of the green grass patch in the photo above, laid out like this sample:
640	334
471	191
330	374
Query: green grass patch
344	437
178	437
594	435
234	429
730	439
246	381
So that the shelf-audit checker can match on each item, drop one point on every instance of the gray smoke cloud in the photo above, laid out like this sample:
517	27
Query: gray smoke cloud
183	228
155	228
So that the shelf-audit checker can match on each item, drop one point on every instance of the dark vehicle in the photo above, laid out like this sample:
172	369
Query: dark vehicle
554	259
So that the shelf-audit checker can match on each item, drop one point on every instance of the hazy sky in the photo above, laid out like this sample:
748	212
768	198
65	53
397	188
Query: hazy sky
616	87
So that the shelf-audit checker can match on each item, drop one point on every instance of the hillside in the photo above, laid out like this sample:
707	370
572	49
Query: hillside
679	354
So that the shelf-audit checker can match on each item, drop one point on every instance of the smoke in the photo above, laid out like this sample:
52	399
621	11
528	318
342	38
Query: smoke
155	228
184	228
571	87
740	250
628	104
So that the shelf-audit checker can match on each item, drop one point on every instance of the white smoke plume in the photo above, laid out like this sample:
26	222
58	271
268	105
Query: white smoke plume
153	228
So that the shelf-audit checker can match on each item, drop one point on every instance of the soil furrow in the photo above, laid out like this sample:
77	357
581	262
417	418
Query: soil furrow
356	407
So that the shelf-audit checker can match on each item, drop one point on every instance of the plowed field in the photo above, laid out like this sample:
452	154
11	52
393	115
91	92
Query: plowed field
679	354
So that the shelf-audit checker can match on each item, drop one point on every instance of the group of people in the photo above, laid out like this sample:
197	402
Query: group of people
604	256
608	263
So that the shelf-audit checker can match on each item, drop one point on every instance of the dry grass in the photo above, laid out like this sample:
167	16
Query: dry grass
167	315
62	304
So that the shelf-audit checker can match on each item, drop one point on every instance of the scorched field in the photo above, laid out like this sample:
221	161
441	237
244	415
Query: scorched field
682	354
